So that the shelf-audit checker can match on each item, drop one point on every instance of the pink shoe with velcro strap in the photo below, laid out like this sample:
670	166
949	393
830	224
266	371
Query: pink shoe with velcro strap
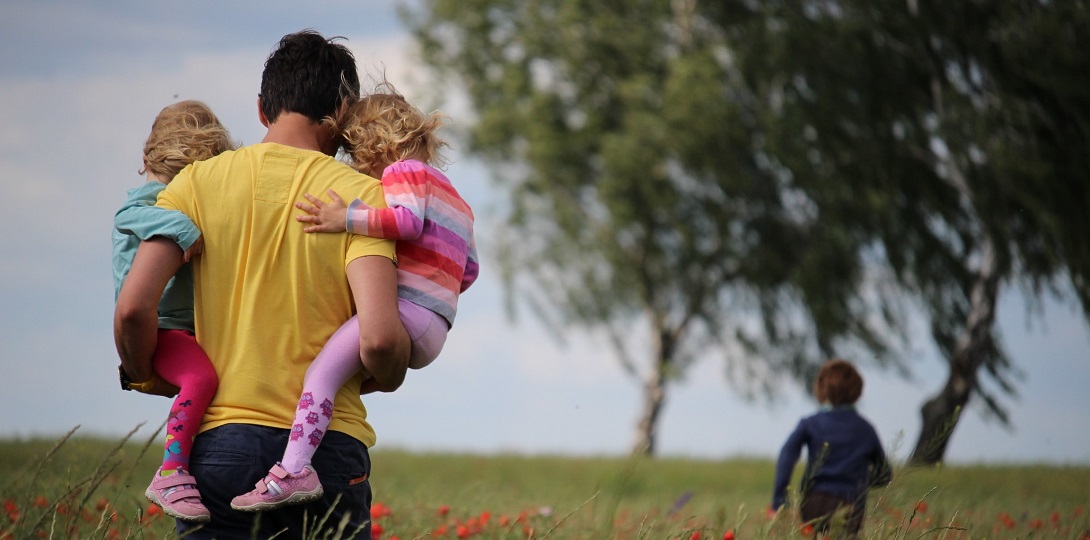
280	488
177	495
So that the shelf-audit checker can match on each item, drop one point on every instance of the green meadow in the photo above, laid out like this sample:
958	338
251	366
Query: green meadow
75	487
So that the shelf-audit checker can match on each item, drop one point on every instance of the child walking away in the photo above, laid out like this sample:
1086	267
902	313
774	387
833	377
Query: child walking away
844	455
437	260
182	133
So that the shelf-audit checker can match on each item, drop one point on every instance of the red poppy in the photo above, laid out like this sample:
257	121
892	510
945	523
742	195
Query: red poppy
1007	520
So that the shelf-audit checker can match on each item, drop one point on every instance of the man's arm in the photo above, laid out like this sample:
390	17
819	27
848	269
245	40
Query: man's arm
384	344
136	316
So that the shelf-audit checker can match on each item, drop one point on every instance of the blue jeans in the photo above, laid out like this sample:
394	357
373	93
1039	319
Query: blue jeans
228	460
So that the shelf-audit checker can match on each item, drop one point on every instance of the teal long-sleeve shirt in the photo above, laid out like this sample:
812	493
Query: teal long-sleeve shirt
139	219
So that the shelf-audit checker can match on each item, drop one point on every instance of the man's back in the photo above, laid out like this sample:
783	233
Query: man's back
267	295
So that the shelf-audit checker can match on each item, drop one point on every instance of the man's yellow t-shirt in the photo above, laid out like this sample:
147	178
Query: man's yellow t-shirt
267	296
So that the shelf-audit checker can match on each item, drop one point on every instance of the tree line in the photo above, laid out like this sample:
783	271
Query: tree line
775	183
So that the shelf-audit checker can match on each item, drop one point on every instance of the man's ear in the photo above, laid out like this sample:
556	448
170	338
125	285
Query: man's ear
261	113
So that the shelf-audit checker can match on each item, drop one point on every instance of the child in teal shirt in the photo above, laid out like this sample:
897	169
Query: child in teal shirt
182	133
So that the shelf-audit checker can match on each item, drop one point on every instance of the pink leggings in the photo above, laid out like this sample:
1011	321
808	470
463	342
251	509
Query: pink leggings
338	361
179	360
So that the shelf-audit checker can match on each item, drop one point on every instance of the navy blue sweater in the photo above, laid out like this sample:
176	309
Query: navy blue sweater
843	456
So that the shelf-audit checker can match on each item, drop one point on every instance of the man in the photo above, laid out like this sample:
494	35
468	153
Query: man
268	296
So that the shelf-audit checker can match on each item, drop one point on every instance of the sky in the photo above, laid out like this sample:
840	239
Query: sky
80	83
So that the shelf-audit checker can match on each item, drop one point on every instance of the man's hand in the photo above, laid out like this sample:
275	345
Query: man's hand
154	386
370	386
196	249
326	217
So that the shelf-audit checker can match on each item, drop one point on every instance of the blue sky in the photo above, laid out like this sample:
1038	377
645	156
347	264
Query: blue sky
79	86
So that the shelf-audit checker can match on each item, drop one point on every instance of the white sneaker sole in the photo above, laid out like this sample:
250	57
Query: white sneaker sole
299	497
174	514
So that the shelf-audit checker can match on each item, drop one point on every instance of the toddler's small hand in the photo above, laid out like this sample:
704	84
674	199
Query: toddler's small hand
326	217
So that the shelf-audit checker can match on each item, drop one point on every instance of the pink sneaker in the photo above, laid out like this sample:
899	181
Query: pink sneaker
178	496
280	488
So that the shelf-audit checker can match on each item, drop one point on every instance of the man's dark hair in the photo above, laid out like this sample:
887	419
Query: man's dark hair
308	74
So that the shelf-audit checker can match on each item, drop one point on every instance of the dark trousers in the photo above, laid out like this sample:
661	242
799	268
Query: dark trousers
819	509
228	460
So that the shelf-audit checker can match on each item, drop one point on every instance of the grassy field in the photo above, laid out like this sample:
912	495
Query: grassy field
92	488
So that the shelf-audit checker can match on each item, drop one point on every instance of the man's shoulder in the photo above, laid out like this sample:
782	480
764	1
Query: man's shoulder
258	152
339	175
277	159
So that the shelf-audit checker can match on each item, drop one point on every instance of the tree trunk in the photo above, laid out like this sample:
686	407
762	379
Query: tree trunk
940	414
654	395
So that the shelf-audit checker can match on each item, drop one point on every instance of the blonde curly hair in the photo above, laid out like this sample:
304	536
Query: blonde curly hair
182	133
383	127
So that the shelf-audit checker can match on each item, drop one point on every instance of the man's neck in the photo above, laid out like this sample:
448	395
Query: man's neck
295	129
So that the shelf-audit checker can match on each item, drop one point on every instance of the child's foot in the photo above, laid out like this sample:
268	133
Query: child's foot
280	488
178	496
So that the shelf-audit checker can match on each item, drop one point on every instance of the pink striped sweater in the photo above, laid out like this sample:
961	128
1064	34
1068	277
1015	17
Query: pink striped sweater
433	226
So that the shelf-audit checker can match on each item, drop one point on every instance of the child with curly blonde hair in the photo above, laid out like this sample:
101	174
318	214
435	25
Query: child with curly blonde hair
182	133
385	137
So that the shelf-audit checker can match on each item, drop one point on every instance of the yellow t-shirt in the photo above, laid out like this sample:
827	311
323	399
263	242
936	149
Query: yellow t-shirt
267	296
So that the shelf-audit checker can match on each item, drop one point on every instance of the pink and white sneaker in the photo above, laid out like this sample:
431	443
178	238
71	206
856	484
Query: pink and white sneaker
280	488
177	495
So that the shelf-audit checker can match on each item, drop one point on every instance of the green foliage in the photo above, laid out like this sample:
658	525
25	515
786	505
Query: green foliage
929	132
632	148
771	181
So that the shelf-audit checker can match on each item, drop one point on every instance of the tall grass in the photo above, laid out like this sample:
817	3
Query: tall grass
76	487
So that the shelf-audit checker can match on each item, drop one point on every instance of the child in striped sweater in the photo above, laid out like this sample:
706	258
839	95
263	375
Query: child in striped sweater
390	139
